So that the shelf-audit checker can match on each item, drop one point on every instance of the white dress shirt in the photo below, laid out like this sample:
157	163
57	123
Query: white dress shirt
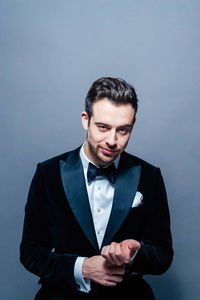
100	194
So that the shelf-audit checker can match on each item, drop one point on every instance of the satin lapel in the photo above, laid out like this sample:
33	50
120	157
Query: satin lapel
125	188
73	182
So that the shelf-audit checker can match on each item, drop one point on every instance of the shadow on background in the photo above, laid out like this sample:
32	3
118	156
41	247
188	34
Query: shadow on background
166	286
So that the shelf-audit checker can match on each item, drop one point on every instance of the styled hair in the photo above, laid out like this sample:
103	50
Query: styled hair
116	90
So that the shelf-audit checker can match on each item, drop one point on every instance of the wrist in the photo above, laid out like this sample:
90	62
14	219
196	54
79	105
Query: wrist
85	268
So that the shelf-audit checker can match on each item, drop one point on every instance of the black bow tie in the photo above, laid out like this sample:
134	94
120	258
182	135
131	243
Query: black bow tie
109	172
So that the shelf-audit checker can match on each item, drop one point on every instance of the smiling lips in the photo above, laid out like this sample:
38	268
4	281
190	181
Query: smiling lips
108	151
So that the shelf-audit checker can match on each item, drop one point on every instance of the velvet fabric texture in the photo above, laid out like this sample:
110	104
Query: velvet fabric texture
58	226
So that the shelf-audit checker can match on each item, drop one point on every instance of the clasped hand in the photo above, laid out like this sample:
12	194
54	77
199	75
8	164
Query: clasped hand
119	254
109	267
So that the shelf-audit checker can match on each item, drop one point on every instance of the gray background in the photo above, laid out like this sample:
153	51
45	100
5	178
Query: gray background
51	52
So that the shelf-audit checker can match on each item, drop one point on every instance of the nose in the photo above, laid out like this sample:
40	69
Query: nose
111	138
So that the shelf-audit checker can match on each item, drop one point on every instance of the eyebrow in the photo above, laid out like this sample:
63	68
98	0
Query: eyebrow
120	126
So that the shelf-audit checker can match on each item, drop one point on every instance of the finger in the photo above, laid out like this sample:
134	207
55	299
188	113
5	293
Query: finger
106	254
116	278
104	251
111	280
118	255
112	247
118	270
118	249
113	253
108	283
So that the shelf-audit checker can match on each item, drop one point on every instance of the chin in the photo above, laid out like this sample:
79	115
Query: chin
106	160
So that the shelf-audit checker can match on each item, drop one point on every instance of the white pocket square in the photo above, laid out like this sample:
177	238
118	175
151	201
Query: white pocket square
137	199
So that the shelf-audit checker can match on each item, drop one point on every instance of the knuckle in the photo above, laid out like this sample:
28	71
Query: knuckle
113	243
111	251
105	283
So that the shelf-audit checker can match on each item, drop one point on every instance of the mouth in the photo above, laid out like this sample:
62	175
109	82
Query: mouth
109	151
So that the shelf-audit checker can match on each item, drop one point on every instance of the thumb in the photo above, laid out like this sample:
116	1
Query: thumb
134	245
131	247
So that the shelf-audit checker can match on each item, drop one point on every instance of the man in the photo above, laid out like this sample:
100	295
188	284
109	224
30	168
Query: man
97	218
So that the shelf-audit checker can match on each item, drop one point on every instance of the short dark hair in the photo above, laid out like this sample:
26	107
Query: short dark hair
116	90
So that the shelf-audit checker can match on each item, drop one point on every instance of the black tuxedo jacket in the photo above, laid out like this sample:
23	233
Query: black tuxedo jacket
58	224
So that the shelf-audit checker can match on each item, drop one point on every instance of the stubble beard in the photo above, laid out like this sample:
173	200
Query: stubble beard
100	158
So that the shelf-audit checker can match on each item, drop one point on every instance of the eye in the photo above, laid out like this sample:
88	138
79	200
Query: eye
102	127
123	131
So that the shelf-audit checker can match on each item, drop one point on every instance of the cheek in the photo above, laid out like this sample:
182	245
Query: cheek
123	141
95	136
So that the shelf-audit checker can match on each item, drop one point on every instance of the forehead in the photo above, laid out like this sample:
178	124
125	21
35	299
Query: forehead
105	111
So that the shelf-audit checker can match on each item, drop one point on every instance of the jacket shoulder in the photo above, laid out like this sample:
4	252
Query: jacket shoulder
54	161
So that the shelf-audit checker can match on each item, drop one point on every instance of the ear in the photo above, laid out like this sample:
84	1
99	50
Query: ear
85	120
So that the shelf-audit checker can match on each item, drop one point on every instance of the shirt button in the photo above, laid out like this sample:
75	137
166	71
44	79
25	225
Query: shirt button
99	209
98	232
98	188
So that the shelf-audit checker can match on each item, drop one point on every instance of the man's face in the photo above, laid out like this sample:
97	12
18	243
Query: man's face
108	131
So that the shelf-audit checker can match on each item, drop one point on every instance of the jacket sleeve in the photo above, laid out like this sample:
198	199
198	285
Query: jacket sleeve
156	252
36	253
